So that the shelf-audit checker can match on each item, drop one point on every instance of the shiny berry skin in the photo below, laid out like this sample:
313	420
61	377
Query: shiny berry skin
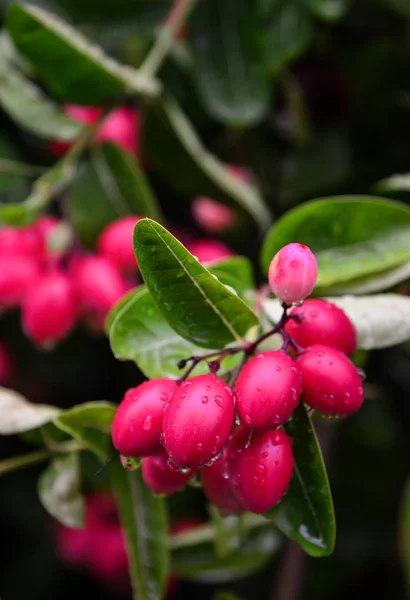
98	283
17	274
137	423
260	466
322	322
330	382
160	478
293	273
212	216
217	489
6	365
268	390
116	243
198	420
208	251
50	309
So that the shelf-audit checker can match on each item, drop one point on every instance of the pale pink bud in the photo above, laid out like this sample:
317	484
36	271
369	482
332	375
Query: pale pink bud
293	273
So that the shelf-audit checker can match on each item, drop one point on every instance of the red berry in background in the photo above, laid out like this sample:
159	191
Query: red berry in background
115	242
330	381
160	478
98	284
83	114
137	423
241	173
208	251
6	365
198	420
121	127
293	273
268	390
17	274
322	322
217	489
260	466
50	309
212	216
24	241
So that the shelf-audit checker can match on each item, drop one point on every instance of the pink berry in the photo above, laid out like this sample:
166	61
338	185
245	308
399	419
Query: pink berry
25	241
137	424
83	114
241	173
212	216
268	390
217	489
321	322
98	283
293	273
330	382
121	127
160	478
260	466
17	274
208	251
50	309
6	365
116	243
198	420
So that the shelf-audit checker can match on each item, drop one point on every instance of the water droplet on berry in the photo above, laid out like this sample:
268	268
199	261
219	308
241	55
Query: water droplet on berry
172	466
347	398
259	389
219	400
260	468
166	407
187	383
294	393
278	368
204	399
147	426
265	454
248	419
224	471
183	396
260	356
217	439
294	369
179	405
199	447
275	439
294	263
184	470
164	397
319	354
208	388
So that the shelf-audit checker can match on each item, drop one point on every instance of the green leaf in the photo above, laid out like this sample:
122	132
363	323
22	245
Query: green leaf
110	185
72	68
229	532
194	303
330	10
171	145
230	63
90	423
306	513
144	521
59	491
237	272
31	109
351	236
19	415
394	183
10	177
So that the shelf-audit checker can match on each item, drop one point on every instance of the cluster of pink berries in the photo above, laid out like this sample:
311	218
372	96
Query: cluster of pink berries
181	428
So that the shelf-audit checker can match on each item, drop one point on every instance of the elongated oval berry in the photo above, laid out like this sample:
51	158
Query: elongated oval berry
137	424
208	251
17	274
215	481
160	478
50	309
212	216
116	243
293	273
330	382
321	322
268	390
198	420
23	241
260	466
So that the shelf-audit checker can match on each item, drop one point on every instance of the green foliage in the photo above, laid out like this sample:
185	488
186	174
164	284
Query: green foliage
19	415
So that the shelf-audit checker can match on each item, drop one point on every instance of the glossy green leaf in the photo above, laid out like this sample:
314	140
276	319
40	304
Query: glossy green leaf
230	63
195	304
144	521
330	10
171	145
19	415
53	47
59	490
117	308
90	423
306	512
237	272
110	185
31	109
351	237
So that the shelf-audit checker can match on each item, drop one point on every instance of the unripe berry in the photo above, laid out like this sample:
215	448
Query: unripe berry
160	478
260	466
217	489
121	127
208	251
330	382
212	216
321	322
116	243
17	274
137	424
6	365
198	420
268	390
293	273
50	309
